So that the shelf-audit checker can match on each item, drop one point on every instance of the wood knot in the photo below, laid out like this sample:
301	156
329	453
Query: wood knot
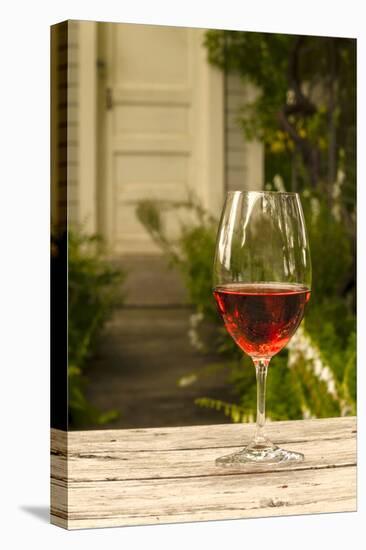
273	503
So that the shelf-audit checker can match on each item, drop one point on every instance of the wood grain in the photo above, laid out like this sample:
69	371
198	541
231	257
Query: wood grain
132	477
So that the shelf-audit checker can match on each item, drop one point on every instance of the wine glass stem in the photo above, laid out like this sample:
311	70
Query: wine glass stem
261	368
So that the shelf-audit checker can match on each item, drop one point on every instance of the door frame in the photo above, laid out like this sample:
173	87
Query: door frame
207	121
208	126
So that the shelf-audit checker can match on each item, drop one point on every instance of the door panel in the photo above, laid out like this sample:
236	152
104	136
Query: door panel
153	85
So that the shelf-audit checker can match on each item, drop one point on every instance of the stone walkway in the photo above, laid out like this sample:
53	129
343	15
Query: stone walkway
143	353
141	357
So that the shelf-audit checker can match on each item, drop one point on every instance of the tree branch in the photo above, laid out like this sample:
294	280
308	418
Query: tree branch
301	106
309	153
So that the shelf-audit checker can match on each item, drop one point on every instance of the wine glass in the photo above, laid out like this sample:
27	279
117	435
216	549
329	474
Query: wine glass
262	283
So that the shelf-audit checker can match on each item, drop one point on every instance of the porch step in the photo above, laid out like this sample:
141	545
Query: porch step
151	282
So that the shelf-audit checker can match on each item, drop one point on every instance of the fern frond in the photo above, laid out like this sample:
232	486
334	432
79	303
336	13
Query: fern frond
235	412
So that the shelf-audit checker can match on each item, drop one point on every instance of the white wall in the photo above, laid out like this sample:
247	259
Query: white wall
244	160
73	106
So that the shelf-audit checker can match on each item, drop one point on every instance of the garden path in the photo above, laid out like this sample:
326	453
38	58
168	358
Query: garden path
145	349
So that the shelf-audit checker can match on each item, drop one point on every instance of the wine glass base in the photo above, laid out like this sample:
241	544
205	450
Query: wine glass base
253	454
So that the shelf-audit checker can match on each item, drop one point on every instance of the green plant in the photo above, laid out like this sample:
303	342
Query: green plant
303	111
316	375
93	294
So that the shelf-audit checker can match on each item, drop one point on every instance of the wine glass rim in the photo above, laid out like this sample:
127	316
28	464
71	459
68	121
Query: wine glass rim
282	193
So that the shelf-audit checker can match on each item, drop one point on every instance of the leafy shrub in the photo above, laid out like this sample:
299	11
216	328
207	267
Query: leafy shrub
315	375
93	294
303	112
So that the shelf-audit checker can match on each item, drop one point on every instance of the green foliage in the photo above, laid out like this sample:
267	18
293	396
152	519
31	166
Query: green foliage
193	253
349	389
303	111
283	397
93	293
292	390
235	412
304	106
197	247
330	319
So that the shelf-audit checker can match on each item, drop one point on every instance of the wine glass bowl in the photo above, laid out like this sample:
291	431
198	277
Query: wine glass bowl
261	284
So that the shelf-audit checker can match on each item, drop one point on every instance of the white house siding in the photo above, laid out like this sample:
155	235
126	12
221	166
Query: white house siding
73	121
244	160
64	122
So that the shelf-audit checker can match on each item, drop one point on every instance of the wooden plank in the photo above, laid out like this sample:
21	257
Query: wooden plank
235	84
116	466
58	497
198	437
237	159
100	504
235	141
59	521
209	515
132	477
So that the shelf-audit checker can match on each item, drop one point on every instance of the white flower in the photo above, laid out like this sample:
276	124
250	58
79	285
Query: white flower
301	345
292	359
278	183
325	375
310	353
332	388
290	97
317	367
187	380
345	409
315	208
195	339
336	194
195	319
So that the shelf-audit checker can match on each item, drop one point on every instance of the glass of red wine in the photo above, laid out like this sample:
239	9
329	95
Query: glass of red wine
262	283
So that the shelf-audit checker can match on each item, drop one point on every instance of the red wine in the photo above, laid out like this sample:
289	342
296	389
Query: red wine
261	317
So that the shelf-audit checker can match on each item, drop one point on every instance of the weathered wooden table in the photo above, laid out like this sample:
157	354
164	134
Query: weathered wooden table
145	476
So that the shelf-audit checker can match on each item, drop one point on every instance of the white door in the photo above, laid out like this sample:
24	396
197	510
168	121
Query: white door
161	127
